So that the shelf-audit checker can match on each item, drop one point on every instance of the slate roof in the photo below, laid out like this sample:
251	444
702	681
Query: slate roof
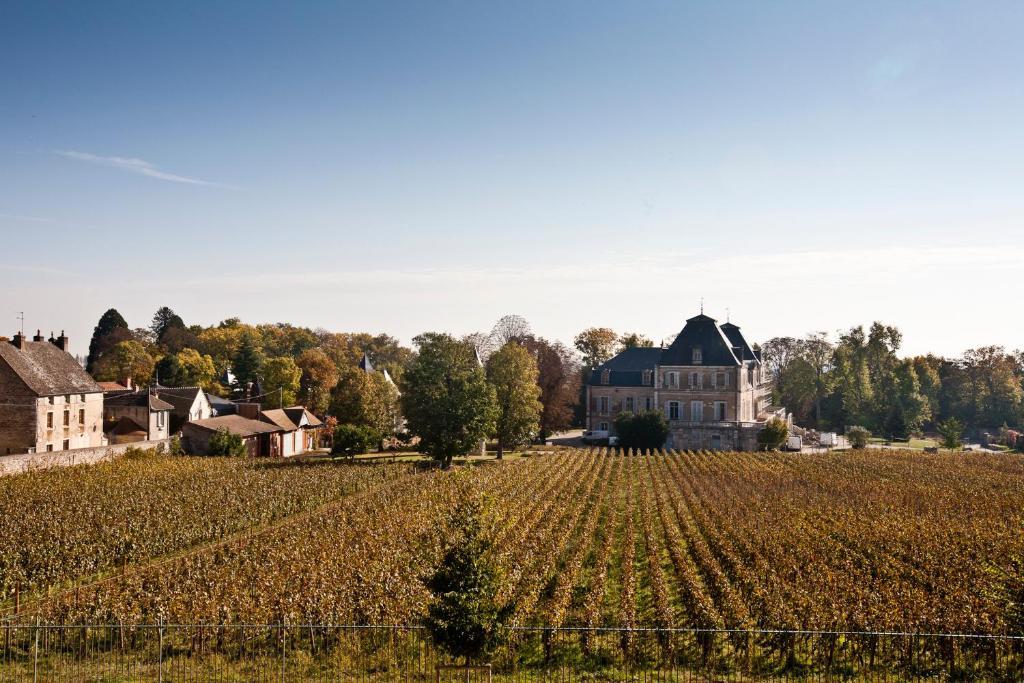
740	346
180	398
236	424
364	363
138	398
47	370
701	332
221	406
280	418
720	346
627	368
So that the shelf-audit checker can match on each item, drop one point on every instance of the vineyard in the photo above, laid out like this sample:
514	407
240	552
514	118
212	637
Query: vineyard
851	541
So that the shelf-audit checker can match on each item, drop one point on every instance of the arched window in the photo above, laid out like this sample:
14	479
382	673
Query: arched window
606	376
698	355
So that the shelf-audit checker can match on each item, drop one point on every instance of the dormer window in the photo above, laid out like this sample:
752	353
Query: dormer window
698	355
648	376
606	376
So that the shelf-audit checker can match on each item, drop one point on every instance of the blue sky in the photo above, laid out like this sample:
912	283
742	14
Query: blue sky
408	166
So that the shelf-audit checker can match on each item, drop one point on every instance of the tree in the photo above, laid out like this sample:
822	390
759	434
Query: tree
363	398
447	400
127	359
634	340
224	442
351	440
319	377
163	320
560	379
774	434
596	344
509	328
951	431
281	377
109	331
512	371
465	617
642	431
858	437
247	361
187	368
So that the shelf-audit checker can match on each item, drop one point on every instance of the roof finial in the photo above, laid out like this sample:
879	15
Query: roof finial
728	315
702	305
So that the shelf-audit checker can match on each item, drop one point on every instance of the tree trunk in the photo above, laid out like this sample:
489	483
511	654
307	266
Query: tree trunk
501	449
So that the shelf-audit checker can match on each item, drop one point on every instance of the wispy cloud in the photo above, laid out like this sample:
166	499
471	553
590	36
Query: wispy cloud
139	166
24	219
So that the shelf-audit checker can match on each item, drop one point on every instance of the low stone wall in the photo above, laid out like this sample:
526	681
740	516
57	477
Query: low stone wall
25	462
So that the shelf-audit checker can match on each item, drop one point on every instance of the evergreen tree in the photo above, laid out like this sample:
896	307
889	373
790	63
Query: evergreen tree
247	362
110	330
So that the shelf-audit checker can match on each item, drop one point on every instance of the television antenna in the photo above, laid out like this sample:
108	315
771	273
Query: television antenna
21	317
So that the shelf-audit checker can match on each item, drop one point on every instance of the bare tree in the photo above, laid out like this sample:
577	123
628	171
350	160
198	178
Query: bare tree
509	328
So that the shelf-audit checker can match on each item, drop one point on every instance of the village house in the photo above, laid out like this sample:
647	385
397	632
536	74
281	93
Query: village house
136	416
280	432
47	400
709	383
189	404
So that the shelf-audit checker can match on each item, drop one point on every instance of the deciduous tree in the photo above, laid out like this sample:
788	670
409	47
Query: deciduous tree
512	371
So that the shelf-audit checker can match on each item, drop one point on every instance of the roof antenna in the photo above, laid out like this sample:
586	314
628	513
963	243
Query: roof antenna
728	315
21	317
702	305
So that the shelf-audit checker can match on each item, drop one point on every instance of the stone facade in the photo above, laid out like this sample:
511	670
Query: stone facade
709	384
47	401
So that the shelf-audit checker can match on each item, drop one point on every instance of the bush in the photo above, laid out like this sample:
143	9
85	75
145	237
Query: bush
351	440
647	430
774	434
174	448
951	431
226	443
858	437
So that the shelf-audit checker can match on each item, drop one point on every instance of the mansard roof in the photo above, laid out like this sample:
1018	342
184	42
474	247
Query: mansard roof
701	332
627	368
740	347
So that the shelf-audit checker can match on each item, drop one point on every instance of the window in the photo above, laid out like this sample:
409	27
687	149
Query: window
647	377
720	411
606	376
66	445
51	399
81	397
698	355
647	403
603	405
673	410
696	380
628	405
49	448
67	418
161	419
49	420
603	426
696	411
672	379
67	398
81	416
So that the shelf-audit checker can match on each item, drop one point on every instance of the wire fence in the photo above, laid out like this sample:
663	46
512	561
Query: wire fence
318	652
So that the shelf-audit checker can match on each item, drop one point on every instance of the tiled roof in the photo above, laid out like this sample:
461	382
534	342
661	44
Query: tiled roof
127	425
109	387
280	418
47	370
236	424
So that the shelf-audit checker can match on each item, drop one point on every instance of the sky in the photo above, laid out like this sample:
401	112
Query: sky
403	167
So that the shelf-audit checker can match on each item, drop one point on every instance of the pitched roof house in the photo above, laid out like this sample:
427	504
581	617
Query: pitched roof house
146	410
188	404
47	400
301	429
260	438
708	382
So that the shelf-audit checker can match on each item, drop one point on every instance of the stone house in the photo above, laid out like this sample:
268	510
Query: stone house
260	438
189	404
709	383
301	429
47	400
150	414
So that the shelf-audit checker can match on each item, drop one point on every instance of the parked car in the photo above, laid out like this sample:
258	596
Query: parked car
596	436
828	439
794	443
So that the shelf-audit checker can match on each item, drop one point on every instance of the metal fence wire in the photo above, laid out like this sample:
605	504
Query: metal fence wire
318	652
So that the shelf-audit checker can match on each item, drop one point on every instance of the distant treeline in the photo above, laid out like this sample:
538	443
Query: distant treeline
859	380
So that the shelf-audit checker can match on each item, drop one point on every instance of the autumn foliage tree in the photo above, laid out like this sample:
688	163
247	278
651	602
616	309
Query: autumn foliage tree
512	371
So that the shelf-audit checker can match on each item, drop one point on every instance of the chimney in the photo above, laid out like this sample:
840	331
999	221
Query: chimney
18	341
62	342
126	382
38	337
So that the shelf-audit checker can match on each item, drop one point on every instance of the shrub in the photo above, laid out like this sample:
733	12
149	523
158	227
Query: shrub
647	430
351	440
951	430
774	434
226	443
174	448
858	436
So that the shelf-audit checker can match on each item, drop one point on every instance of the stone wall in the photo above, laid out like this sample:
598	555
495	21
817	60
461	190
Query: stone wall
25	462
